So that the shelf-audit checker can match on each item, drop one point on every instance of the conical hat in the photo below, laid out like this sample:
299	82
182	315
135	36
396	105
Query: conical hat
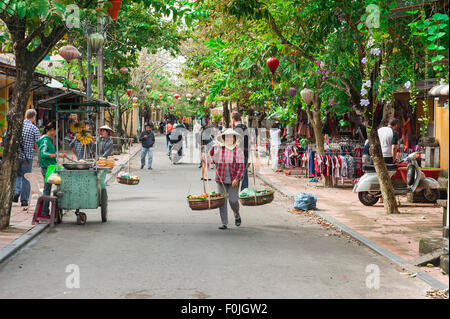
106	127
229	131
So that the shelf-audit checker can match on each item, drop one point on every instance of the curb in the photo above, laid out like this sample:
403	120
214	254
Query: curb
24	239
362	239
20	242
117	169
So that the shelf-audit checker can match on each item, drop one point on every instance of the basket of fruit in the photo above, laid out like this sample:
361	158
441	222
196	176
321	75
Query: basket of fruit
127	179
206	201
250	197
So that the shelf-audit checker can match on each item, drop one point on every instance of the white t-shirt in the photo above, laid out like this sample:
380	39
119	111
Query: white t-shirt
387	139
275	136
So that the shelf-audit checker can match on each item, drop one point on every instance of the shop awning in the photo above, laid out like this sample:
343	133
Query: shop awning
441	92
73	98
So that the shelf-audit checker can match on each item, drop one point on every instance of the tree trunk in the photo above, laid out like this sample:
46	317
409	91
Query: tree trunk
316	122
387	189
10	162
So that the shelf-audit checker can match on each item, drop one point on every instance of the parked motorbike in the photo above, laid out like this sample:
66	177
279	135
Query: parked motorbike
368	186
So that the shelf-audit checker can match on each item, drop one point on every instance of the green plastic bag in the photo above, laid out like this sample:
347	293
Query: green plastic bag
50	170
247	192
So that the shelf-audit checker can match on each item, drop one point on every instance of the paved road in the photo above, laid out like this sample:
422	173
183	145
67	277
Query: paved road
154	246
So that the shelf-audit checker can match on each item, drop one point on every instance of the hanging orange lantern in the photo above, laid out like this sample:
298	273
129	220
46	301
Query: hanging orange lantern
113	12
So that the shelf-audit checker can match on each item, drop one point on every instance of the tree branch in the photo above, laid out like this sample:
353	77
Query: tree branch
406	44
286	41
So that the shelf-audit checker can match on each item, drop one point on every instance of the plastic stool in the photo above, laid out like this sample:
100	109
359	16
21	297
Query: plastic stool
53	212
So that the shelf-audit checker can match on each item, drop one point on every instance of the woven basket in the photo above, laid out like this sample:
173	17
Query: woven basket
260	199
127	181
199	204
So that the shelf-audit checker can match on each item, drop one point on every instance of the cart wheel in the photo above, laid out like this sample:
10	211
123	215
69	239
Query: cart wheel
104	205
81	218
59	217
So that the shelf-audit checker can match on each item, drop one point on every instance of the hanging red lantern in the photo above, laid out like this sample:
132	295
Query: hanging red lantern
123	70
113	12
273	64
177	96
129	92
160	96
69	52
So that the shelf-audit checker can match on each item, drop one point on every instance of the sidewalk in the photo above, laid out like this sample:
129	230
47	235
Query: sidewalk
399	234
20	221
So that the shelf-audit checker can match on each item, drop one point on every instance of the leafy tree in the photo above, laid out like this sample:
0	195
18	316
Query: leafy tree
31	29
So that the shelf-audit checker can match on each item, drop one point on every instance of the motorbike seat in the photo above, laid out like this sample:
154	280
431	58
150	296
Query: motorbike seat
371	168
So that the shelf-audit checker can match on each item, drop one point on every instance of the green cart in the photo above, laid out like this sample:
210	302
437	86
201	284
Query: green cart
82	189
83	186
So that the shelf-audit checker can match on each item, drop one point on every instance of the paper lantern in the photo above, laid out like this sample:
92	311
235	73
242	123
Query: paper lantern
307	95
135	99
177	96
160	96
134	105
292	91
273	64
188	96
129	92
69	52
113	12
95	41
123	70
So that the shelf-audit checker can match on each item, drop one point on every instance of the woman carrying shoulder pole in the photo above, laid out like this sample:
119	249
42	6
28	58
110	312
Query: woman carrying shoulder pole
229	161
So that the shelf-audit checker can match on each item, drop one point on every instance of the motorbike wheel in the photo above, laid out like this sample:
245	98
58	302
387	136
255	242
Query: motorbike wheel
367	199
431	195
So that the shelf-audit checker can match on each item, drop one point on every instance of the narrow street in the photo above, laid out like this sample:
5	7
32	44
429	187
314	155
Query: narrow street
154	246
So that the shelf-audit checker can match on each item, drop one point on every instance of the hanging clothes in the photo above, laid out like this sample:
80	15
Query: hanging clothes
311	167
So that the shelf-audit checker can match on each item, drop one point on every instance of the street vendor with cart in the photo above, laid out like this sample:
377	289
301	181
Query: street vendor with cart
105	144
229	160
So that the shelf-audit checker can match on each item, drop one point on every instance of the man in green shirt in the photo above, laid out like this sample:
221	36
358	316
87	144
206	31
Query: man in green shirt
47	157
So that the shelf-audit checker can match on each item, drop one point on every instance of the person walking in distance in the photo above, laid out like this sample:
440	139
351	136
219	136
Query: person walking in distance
169	128
229	161
30	135
242	129
207	141
147	139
